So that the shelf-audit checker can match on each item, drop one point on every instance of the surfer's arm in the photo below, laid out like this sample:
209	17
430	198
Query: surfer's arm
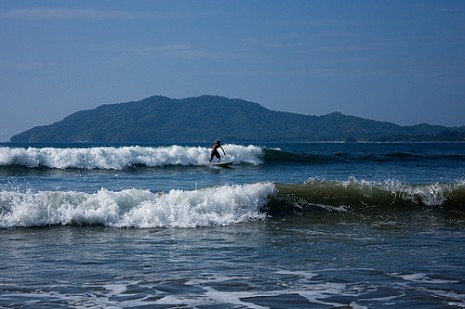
223	150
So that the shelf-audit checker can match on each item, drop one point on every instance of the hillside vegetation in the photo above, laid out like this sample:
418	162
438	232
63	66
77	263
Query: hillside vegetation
206	118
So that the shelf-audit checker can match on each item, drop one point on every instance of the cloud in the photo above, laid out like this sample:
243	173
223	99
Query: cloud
60	13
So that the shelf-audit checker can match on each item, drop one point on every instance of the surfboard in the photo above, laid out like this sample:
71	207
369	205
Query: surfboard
222	164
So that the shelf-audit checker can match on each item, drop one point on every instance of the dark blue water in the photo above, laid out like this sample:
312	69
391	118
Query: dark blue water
288	226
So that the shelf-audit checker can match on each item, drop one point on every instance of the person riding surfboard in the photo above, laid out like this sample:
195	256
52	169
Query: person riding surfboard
215	152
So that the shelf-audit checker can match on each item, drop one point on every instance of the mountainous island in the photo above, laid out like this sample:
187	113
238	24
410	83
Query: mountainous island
207	118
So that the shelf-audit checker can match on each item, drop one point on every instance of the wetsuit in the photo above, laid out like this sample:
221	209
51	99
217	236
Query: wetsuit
215	152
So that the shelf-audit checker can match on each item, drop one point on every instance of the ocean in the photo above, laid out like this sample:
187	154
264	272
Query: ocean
309	225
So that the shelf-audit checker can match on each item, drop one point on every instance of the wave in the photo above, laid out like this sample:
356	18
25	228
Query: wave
118	158
227	204
217	206
278	155
366	196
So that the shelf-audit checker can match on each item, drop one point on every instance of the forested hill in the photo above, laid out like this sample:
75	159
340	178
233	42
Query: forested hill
206	118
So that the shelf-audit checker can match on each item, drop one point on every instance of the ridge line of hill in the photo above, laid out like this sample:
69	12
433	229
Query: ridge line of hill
206	118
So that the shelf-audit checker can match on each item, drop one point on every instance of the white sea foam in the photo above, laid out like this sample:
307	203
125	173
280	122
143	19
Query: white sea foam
118	158
421	278
315	293
217	206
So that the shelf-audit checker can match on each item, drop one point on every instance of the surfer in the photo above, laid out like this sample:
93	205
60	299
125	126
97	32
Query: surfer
215	152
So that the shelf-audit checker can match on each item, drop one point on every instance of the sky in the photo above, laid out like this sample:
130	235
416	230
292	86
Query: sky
401	61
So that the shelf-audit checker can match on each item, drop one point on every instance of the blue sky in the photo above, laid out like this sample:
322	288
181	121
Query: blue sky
397	61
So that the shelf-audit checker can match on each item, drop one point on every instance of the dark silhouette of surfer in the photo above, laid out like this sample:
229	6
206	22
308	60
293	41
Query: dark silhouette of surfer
215	152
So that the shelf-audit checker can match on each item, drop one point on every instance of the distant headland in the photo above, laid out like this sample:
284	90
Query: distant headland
206	118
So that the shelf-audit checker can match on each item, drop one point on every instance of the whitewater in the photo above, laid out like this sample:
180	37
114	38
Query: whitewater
319	225
118	158
216	206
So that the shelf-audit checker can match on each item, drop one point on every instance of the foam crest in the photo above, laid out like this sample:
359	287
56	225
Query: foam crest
434	194
218	206
118	158
390	192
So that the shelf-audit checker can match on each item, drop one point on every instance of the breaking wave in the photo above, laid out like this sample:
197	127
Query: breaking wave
361	195
217	206
224	205
118	158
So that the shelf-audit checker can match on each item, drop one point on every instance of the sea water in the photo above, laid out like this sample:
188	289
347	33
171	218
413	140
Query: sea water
314	225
